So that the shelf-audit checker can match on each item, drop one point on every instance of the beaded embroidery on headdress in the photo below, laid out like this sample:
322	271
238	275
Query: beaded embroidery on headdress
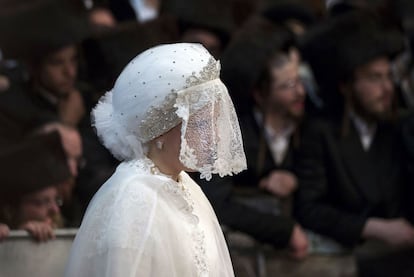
210	72
160	119
161	88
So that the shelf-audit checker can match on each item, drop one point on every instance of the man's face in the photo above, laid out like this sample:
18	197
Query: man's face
59	70
373	90
287	94
40	206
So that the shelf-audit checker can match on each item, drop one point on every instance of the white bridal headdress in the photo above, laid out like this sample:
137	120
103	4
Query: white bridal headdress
162	87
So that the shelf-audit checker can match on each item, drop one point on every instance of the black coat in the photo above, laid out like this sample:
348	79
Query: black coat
407	132
223	192
341	185
27	162
122	10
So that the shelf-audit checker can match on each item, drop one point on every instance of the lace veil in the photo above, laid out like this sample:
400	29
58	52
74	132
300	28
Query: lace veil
162	87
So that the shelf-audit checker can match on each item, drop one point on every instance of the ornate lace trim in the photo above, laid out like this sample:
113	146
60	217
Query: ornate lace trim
197	234
210	72
186	204
159	120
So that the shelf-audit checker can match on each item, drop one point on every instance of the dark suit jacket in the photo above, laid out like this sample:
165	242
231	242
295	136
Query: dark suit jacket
122	10
99	163
407	135
223	193
341	185
27	162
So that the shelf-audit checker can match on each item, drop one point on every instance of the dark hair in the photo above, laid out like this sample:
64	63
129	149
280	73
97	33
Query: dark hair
214	16
280	13
222	34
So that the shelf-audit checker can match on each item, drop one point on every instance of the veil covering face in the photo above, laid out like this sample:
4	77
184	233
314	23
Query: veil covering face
161	88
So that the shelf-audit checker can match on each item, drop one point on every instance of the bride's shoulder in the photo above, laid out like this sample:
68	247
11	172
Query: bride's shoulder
127	189
122	211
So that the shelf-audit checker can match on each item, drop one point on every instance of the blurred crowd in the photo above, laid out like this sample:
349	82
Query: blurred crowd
324	91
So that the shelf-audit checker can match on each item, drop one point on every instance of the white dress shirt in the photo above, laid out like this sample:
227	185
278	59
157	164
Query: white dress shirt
365	130
278	141
143	11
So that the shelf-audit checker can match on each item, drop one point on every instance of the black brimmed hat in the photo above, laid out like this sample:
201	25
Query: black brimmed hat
339	46
33	30
213	15
107	53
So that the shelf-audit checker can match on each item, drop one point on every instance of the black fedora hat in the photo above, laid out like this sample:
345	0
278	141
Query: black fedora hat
36	28
340	45
107	53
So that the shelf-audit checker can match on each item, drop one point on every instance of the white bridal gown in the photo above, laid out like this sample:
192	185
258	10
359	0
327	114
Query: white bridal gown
143	223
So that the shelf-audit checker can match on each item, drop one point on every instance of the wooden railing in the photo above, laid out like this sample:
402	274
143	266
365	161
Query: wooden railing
21	256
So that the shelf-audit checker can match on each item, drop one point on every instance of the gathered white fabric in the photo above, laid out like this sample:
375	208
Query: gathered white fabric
143	223
162	87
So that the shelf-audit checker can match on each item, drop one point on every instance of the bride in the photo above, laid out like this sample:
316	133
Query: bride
168	113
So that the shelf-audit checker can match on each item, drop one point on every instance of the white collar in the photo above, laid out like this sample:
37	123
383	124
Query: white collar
142	11
270	132
365	130
277	142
